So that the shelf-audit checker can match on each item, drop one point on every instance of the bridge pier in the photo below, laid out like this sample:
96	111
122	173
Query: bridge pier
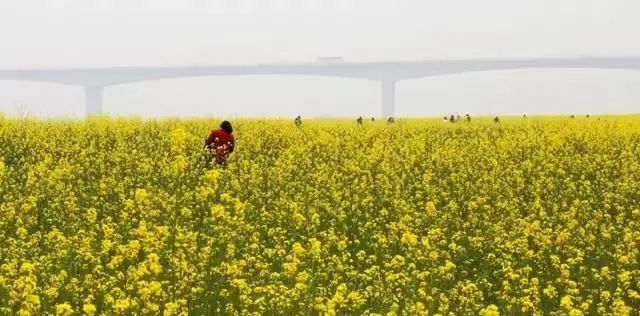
93	99
388	97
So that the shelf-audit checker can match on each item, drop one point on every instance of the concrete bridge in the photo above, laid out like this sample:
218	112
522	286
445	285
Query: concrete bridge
95	80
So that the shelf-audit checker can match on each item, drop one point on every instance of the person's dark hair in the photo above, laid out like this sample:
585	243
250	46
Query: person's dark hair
226	126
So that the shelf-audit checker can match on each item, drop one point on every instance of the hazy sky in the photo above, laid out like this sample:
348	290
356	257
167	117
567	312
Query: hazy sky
89	33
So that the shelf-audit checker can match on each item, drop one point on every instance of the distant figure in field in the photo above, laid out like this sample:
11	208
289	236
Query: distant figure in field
525	116
452	119
391	120
468	117
359	120
445	118
220	143
298	121
373	119
588	116
496	120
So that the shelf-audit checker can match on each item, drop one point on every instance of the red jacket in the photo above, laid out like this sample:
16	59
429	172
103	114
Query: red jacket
219	138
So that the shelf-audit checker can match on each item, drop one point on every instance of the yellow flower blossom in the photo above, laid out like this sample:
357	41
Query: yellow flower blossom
124	216
490	310
89	309
64	309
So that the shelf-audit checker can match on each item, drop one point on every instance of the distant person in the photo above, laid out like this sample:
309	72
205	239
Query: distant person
588	116
468	117
452	119
298	121
496	120
359	120
373	119
391	120
221	143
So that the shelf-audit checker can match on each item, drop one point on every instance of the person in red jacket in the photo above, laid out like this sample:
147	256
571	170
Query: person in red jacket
221	143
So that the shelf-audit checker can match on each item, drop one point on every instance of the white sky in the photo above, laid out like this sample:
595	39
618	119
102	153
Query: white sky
89	33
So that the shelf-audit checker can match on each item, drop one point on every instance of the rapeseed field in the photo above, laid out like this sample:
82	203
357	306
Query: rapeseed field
529	216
